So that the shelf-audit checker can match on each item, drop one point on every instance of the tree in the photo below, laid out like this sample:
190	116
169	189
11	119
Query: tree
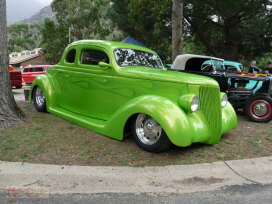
85	18
229	29
54	40
222	28
77	20
177	37
146	21
23	37
10	113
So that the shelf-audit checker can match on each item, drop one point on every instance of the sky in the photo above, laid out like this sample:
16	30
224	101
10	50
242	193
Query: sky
30	7
45	1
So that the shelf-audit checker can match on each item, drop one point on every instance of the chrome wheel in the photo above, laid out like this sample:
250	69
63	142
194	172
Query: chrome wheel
147	129
39	99
39	96
260	109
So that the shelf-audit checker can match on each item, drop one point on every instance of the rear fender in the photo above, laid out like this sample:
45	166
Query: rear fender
45	82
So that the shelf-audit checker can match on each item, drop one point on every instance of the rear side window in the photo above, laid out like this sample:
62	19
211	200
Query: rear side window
40	69
93	57
71	56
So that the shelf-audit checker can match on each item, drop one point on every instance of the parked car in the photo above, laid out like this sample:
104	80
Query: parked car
15	77
29	73
116	88
251	92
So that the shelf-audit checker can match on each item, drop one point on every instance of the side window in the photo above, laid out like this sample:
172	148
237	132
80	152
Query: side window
231	68
71	56
25	70
39	69
93	57
32	70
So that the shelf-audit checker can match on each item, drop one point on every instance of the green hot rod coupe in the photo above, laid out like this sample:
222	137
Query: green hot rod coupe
116	88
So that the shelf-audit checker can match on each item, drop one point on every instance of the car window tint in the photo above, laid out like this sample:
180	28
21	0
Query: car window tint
71	56
93	57
39	69
231	68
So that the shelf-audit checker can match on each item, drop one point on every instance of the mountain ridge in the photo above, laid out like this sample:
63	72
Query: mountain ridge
39	17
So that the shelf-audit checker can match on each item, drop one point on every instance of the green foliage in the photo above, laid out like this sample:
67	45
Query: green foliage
23	37
55	39
145	21
86	18
230	29
224	28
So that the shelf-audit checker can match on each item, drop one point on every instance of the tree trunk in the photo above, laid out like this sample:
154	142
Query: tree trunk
230	51
177	18
10	113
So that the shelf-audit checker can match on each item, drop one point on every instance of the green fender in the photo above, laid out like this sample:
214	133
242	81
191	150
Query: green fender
229	118
172	119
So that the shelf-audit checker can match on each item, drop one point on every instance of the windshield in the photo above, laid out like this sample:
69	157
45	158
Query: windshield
130	57
212	65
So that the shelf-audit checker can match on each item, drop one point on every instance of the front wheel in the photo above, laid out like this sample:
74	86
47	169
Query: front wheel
259	109
39	99
149	135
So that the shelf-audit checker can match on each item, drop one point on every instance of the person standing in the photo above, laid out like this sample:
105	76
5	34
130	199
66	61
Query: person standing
253	68
268	69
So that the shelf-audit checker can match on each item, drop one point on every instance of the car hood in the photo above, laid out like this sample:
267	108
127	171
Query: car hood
165	75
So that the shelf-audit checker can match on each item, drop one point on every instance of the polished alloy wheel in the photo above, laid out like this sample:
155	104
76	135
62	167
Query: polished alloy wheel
148	129
39	96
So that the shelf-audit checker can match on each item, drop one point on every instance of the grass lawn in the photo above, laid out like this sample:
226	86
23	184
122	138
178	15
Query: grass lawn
46	138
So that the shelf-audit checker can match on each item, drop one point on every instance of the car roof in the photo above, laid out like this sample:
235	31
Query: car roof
181	60
31	66
111	45
226	62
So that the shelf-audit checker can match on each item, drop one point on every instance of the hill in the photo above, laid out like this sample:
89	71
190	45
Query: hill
39	17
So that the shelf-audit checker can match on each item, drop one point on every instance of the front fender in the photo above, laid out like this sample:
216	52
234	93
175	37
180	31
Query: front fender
229	118
172	118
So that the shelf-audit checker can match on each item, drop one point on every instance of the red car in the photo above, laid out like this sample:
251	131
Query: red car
29	73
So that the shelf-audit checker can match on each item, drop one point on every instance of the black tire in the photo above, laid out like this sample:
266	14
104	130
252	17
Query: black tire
18	87
259	109
39	99
149	135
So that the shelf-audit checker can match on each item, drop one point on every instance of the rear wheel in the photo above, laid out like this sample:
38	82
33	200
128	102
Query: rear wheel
149	135
39	99
259	109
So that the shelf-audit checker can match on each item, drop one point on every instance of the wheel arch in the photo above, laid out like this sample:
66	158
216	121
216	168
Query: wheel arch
172	119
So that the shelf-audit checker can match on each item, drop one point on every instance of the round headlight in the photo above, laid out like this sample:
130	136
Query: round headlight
195	103
189	102
224	100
